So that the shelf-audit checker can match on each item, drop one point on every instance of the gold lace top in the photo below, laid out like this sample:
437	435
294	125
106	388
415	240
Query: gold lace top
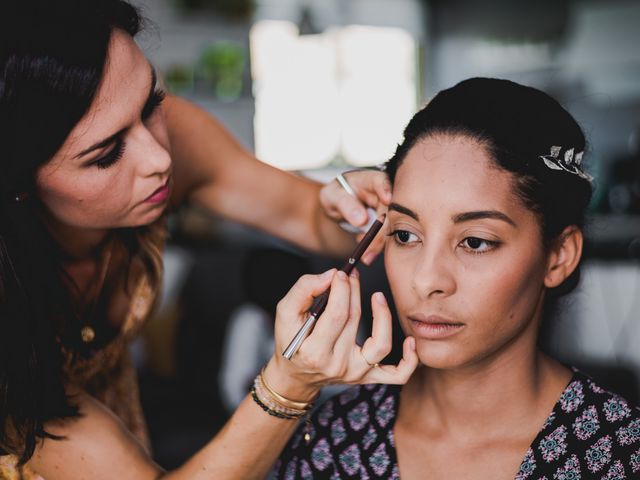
108	375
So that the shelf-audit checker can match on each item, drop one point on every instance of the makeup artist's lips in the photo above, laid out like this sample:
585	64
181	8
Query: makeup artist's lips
433	327
160	195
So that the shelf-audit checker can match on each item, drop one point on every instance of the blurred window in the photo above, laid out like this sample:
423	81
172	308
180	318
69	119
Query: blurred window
342	96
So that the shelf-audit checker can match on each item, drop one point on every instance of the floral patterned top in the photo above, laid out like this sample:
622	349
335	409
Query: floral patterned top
590	434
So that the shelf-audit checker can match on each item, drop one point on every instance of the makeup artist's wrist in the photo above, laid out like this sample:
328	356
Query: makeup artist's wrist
288	385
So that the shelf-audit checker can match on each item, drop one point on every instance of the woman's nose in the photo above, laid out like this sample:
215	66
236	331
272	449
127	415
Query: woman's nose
153	156
434	274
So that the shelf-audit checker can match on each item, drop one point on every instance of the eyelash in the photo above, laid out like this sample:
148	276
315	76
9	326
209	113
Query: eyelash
492	244
395	234
112	157
117	151
154	102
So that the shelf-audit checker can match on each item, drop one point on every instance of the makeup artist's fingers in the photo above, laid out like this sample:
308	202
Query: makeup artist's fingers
378	345
372	190
332	321
396	374
376	247
344	344
377	244
371	186
291	309
339	205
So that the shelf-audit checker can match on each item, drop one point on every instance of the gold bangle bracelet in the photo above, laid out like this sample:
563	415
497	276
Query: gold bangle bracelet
285	402
267	400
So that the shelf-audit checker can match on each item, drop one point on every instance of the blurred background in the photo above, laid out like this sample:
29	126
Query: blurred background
321	86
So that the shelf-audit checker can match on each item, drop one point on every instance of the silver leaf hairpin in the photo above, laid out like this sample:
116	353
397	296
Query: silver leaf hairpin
571	162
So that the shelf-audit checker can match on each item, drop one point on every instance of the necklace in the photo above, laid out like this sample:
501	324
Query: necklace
87	331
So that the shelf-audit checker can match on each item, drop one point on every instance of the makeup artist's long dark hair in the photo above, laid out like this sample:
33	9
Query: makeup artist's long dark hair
517	124
52	55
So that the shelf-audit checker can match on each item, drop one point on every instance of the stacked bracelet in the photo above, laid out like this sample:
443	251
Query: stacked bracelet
275	404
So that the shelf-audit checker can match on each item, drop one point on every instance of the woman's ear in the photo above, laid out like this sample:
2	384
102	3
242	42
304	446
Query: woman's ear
564	256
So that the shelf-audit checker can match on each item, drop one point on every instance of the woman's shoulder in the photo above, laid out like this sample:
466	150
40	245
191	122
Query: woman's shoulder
591	431
585	394
348	435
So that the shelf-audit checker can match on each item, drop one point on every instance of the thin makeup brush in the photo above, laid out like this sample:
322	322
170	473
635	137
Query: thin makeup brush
320	302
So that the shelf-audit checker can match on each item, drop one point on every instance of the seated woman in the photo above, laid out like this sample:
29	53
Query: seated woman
489	195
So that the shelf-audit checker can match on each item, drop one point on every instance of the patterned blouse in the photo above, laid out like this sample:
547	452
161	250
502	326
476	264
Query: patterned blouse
590	434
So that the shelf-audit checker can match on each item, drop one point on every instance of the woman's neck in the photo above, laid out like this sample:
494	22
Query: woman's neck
76	243
489	398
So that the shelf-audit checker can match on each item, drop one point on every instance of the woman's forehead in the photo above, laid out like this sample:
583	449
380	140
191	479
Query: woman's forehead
453	174
123	89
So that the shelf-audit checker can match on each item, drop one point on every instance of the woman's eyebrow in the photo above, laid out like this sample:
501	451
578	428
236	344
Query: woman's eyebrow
459	217
404	210
111	138
481	214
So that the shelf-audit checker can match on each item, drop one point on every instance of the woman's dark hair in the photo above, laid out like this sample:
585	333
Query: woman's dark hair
52	56
517	125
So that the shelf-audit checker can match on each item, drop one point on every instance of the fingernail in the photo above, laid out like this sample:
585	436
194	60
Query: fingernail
412	343
387	189
380	298
355	273
342	275
357	215
367	258
327	274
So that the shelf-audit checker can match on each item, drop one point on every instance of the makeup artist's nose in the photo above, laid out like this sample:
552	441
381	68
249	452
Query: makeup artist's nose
433	275
153	157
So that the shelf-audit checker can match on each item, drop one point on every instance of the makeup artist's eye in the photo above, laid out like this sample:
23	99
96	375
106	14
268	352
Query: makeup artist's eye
152	104
111	157
478	245
403	237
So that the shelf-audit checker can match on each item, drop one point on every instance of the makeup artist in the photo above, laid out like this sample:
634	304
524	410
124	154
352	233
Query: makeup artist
92	155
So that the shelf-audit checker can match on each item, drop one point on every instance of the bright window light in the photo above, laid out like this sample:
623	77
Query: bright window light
344	94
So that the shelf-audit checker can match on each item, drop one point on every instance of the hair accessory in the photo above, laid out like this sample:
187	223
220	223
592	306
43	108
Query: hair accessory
571	162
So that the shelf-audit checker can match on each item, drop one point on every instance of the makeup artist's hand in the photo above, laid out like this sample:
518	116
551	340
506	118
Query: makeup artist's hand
330	353
373	190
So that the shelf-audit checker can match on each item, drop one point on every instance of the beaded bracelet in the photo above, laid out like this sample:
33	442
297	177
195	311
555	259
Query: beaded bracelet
273	413
275	404
267	400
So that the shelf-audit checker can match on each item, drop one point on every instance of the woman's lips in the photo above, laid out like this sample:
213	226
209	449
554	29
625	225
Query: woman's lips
160	195
434	327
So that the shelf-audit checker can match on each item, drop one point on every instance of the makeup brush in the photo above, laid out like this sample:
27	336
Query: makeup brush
320	302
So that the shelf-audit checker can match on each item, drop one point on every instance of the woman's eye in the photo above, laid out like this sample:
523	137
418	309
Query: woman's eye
154	102
478	245
403	237
112	157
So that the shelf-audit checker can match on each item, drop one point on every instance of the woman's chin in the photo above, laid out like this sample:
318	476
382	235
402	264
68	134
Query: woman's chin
147	217
441	357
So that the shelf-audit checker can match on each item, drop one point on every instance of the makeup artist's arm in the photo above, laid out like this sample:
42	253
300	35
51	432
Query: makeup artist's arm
213	170
96	445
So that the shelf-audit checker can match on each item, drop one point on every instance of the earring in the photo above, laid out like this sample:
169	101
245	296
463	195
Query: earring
21	197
